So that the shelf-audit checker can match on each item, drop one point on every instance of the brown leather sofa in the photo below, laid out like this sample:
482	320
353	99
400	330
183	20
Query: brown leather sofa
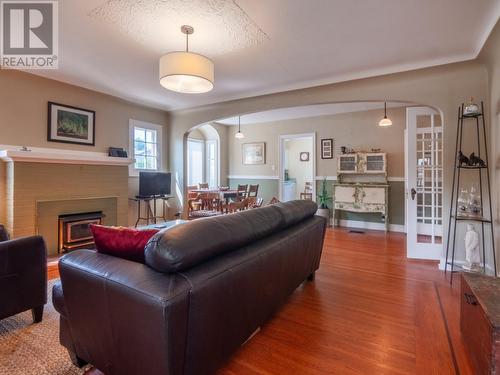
207	285
23	275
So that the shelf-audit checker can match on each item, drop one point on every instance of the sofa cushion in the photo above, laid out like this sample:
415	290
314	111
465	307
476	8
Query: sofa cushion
122	242
188	244
296	211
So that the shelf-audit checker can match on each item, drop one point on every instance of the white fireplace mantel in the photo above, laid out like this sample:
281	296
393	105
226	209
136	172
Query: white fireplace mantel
59	156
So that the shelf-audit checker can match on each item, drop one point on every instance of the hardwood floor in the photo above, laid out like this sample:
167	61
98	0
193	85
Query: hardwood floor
369	311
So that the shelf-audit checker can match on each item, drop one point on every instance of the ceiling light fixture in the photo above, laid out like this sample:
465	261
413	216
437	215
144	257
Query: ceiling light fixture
186	72
385	121
239	134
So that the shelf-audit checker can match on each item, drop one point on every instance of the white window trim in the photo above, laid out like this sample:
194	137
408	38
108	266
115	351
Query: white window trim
159	142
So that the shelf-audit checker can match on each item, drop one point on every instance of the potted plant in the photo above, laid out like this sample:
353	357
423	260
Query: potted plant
323	199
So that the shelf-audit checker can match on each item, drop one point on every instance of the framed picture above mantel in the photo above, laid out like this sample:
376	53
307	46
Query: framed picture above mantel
69	124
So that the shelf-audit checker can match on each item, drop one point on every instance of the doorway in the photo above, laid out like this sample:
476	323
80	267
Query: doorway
297	167
424	183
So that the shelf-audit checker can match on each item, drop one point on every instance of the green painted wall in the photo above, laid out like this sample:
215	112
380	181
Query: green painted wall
270	188
267	188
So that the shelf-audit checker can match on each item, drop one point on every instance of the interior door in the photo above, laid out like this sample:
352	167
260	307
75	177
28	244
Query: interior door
424	183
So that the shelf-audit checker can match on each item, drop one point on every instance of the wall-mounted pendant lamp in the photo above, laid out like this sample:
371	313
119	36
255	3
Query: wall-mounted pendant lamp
186	72
385	121
239	134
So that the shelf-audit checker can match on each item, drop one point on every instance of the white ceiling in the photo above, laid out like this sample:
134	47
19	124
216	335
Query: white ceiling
308	111
114	46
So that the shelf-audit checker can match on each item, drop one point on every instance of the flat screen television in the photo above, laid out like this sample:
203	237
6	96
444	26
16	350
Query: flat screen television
154	183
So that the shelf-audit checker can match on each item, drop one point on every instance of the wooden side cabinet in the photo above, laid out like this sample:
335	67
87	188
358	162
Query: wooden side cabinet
480	321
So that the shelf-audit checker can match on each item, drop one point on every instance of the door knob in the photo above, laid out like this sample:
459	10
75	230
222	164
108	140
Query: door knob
413	193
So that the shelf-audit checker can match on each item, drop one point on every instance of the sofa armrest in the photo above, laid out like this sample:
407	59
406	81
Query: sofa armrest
23	275
125	317
23	256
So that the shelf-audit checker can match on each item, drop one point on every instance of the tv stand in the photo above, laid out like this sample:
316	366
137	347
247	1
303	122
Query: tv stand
150	207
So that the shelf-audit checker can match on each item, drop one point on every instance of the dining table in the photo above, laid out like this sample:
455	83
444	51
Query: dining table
224	194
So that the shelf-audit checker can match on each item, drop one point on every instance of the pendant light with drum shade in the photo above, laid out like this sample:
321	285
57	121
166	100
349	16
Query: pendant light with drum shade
186	72
239	134
385	121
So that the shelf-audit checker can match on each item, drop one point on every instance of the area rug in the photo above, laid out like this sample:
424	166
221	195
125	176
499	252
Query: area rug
34	349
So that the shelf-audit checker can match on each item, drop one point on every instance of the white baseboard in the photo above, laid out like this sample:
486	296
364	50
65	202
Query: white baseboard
371	226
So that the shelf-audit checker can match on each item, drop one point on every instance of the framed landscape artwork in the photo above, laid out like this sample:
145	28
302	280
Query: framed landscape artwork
327	148
70	125
254	153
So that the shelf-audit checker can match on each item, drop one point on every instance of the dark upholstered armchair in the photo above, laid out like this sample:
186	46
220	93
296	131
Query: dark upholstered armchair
23	275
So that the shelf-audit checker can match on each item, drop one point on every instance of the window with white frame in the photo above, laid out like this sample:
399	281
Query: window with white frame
202	162
145	146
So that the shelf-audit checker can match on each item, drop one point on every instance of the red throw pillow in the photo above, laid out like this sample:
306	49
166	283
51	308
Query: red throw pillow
122	242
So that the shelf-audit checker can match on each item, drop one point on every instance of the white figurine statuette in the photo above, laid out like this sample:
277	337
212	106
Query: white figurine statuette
472	257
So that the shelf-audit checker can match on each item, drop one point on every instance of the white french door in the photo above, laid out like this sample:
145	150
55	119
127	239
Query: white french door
195	161
424	183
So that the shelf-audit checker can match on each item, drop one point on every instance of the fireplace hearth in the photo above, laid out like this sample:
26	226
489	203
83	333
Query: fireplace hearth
74	231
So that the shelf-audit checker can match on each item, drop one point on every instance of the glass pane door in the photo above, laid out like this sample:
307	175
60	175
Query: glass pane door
429	184
424	183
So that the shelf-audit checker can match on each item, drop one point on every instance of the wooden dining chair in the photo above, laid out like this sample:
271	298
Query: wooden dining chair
255	202
241	192
210	203
308	192
238	205
193	199
253	191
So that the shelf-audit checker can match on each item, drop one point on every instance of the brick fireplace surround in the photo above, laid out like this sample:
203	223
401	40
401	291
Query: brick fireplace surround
39	185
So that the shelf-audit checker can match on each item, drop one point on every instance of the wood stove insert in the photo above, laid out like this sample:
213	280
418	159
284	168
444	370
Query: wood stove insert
74	231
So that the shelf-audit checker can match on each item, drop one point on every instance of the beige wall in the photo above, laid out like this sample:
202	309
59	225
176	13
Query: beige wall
443	87
197	134
490	56
358	130
23	119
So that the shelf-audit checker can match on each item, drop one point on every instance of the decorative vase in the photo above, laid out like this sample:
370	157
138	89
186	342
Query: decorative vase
324	212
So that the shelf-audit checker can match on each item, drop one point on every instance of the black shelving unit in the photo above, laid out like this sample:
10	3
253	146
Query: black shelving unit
455	217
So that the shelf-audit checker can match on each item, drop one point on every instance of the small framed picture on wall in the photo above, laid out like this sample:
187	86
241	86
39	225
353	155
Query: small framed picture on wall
327	148
254	153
